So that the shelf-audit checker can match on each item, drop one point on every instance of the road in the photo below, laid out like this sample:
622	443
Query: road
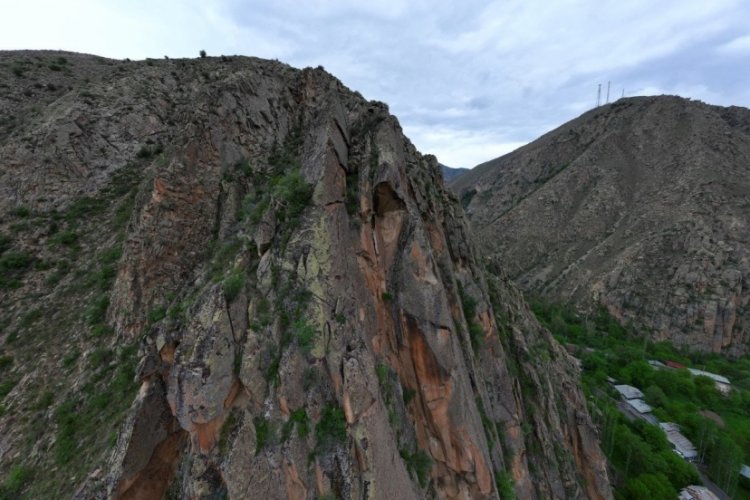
712	486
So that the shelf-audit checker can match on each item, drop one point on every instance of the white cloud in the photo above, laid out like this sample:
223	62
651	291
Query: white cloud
460	148
740	45
467	80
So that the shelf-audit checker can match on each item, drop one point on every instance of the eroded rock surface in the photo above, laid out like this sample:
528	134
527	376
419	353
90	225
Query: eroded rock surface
641	206
310	315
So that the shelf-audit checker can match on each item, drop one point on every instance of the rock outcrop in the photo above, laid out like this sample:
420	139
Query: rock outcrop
641	206
310	316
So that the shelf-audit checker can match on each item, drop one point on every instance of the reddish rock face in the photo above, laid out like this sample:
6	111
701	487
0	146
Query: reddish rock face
306	300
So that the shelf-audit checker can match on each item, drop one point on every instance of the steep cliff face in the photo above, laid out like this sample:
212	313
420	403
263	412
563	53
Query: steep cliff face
641	206
309	314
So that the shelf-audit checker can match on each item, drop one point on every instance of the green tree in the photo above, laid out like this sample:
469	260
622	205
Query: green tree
651	486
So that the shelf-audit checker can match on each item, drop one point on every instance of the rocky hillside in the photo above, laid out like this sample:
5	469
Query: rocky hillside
450	173
226	277
642	206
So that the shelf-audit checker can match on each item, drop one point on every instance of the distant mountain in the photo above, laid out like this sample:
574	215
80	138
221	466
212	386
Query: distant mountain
642	205
450	173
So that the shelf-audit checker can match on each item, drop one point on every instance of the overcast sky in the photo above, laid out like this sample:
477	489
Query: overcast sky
468	80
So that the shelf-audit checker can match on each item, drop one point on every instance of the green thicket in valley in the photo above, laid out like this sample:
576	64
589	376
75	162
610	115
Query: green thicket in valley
642	459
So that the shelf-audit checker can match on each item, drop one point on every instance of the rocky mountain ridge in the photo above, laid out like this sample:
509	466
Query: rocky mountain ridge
641	206
229	277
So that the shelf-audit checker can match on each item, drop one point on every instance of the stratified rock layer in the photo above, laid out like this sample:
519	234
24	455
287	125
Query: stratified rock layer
310	314
642	206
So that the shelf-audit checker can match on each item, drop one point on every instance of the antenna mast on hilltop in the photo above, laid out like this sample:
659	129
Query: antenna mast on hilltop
608	84
599	95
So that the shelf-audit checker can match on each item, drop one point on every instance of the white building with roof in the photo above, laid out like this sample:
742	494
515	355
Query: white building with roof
695	492
657	364
639	405
682	445
723	385
629	392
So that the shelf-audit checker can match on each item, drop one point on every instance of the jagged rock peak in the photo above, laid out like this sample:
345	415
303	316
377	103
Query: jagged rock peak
310	316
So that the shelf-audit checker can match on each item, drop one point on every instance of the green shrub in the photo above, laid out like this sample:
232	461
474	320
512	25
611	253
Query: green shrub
331	428
295	193
67	238
6	362
469	305
100	330
233	285
408	395
419	463
17	69
387	296
45	400
20	211
12	267
253	208
305	334
97	310
299	419
265	433
222	257
14	260
100	357
226	429
352	193
30	318
111	255
476	334
66	417
382	372
156	314
504	483
6	386
85	207
70	358
14	483
5	242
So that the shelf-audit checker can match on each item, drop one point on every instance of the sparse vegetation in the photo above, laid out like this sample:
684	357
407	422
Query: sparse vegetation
67	237
331	428
98	406
418	463
504	484
639	452
20	211
97	310
157	314
469	305
305	334
14	482
227	428
265	433
298	419
233	284
6	386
